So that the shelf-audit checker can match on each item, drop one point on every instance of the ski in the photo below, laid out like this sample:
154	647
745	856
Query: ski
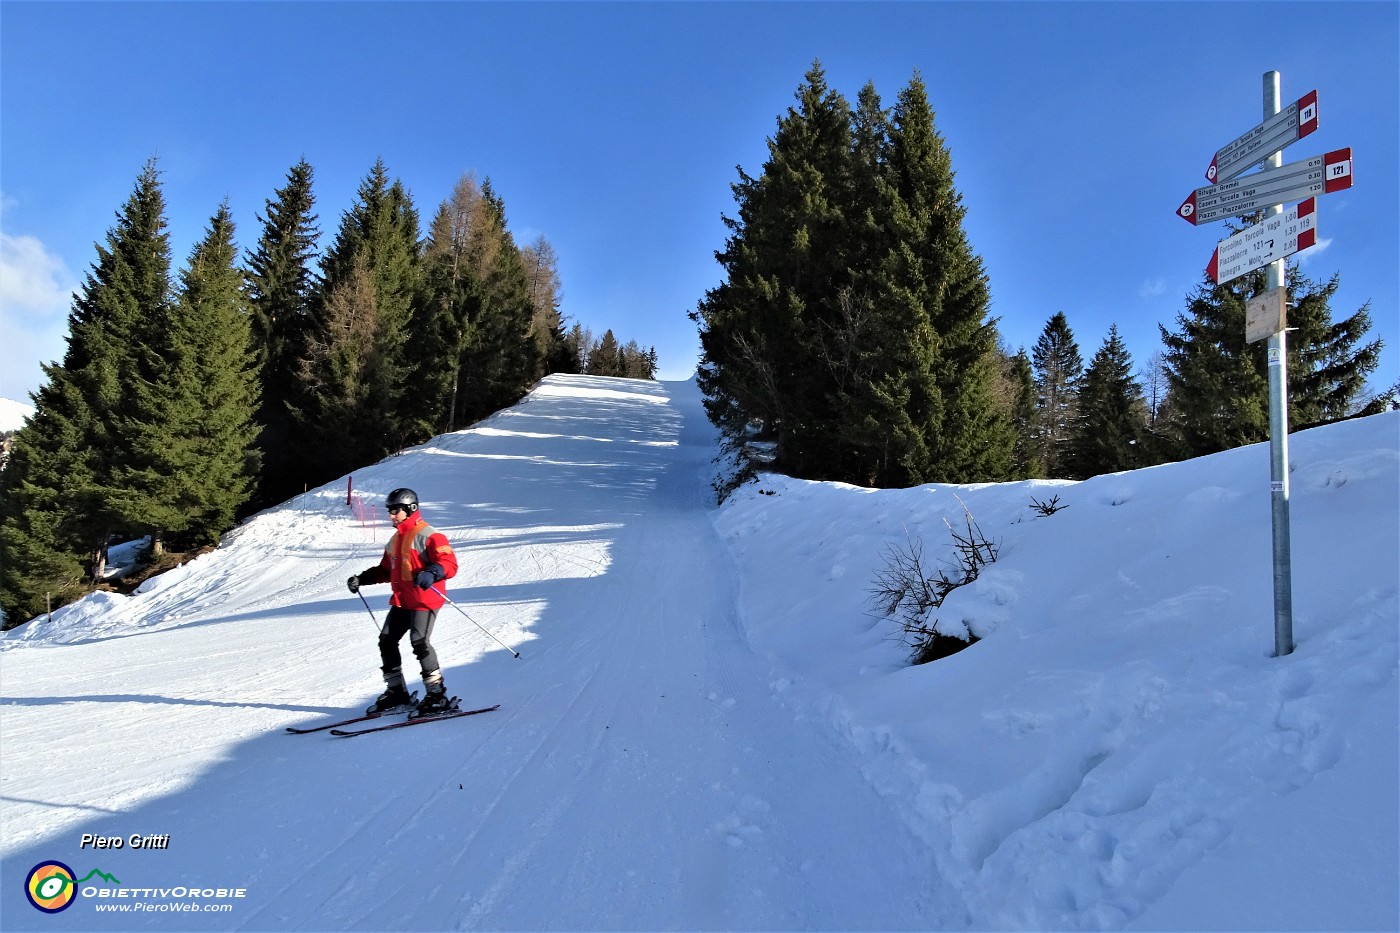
415	721
294	730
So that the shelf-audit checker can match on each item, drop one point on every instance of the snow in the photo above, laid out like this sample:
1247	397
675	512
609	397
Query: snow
708	730
13	414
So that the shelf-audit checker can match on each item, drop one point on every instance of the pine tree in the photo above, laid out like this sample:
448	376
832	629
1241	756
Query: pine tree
1110	418
879	347
190	460
1058	370
282	286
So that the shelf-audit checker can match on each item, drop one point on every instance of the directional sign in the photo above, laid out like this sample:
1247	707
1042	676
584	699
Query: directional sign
1287	126
1292	182
1265	314
1255	247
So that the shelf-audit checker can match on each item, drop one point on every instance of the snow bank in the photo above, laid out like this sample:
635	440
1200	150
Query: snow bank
1122	720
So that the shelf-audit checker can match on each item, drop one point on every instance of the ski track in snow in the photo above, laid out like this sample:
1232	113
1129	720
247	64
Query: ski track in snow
640	774
703	731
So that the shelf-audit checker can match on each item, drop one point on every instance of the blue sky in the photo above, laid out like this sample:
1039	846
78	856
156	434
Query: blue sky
614	130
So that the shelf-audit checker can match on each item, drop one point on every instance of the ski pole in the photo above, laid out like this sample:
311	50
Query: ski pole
474	622
367	608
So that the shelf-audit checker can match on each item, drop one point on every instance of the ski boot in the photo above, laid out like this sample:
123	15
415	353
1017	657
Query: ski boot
435	702
393	700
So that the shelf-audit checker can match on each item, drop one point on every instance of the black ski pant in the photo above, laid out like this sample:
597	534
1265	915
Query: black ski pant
418	625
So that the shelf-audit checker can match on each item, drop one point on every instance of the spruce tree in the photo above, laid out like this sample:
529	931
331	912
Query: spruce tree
1328	363
358	403
58	507
1020	401
972	438
500	360
605	358
190	459
42	545
1218	385
852	321
1109	425
282	285
577	342
450	301
786	263
1058	369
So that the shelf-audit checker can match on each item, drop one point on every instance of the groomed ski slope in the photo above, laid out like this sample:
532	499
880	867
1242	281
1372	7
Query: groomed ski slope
706	730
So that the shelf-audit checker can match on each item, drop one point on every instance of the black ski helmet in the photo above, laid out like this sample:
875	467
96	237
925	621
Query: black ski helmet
403	496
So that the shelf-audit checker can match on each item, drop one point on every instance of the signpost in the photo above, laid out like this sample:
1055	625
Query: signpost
1295	181
1265	245
1291	124
1279	236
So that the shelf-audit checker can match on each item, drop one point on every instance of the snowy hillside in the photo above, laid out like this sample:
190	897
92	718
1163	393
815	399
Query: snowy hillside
13	414
706	730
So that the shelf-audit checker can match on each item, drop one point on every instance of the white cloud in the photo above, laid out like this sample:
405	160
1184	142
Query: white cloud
36	289
33	281
1152	288
1312	252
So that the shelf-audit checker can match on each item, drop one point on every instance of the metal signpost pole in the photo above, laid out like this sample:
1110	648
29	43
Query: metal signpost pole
1278	427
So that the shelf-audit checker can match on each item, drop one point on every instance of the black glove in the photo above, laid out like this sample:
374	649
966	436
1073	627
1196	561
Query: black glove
354	584
428	576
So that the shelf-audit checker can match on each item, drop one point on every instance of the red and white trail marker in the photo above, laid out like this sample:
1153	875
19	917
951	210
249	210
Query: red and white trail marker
1295	181
1253	248
1284	128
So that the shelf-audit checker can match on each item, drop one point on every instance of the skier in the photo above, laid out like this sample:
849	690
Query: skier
416	557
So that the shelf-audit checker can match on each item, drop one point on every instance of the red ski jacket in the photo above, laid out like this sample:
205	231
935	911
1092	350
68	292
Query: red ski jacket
414	546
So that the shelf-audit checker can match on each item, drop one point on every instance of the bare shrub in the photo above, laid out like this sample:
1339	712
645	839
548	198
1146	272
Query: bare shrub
910	590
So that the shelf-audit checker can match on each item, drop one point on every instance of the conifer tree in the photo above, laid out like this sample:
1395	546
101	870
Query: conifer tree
578	342
281	286
546	322
1218	385
853	318
1328	362
1020	400
42	545
56	510
501	360
605	359
785	264
972	437
1110	418
188	427
452	295
359	403
879	347
1058	369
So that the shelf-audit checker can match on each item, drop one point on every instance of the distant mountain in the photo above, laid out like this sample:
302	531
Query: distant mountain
12	414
